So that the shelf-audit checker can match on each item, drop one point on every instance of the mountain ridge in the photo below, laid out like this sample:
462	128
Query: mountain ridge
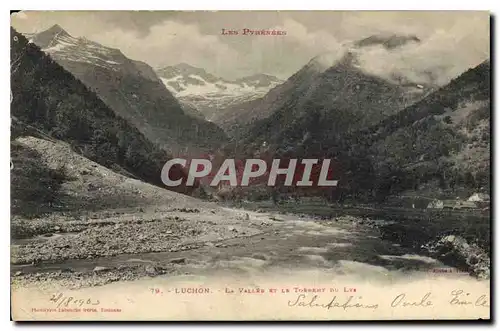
196	88
49	103
239	117
437	144
133	90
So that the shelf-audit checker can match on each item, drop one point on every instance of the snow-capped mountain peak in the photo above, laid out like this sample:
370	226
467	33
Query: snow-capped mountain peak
260	80
132	90
69	49
49	37
208	93
186	70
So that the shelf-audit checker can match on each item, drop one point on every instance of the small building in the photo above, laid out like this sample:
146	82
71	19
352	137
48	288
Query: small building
452	204
465	205
435	204
479	197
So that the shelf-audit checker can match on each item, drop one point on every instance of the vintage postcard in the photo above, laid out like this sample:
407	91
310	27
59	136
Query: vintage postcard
250	165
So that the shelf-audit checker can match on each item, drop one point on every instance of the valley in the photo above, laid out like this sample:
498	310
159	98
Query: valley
89	245
92	130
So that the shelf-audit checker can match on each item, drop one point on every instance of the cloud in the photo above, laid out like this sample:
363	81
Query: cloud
170	43
319	41
451	41
20	15
284	55
441	56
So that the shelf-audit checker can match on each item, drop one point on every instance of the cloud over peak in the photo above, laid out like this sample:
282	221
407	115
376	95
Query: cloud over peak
444	43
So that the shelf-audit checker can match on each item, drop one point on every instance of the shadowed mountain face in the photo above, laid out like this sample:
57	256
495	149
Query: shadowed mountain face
387	41
131	89
384	139
439	146
441	143
333	83
235	119
49	103
328	103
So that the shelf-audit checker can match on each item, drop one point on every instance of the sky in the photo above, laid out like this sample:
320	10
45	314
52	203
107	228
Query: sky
451	42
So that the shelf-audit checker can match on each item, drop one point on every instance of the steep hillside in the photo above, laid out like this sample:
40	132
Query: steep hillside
34	186
48	177
436	147
237	118
329	82
196	88
132	90
323	105
47	101
442	143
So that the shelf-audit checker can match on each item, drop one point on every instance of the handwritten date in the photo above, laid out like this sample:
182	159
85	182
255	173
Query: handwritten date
64	301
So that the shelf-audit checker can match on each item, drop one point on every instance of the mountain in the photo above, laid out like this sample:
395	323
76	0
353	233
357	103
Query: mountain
387	137
234	119
389	41
332	81
49	103
131	89
197	89
317	104
437	147
440	144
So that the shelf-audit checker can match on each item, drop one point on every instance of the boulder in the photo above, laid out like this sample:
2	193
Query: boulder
101	269
178	260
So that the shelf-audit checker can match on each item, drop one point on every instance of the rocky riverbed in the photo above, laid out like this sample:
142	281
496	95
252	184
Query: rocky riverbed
177	230
130	246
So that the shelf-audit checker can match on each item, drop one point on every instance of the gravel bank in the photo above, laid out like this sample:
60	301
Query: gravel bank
71	279
101	238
